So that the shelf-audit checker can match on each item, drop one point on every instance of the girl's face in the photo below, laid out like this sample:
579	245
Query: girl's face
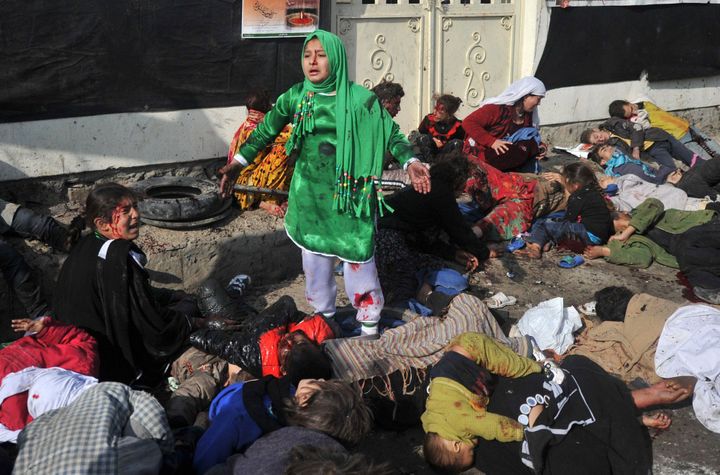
441	113
530	102
124	222
630	110
605	153
571	187
599	136
305	389
316	66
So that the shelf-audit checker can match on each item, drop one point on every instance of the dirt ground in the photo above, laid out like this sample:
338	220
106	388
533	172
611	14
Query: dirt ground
254	243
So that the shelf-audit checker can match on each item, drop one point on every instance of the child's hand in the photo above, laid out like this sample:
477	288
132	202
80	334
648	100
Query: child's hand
623	236
674	177
468	260
438	142
500	146
636	153
552	176
27	325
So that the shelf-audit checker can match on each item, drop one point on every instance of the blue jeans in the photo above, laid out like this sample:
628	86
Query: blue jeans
554	231
663	152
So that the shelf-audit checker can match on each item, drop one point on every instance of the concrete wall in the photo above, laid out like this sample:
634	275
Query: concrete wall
83	144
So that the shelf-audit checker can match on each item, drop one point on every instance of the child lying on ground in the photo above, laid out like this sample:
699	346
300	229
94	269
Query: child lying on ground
244	411
473	376
615	163
587	218
688	240
649	115
656	144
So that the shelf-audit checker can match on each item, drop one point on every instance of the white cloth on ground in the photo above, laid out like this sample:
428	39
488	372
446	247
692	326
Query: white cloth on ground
48	388
633	190
551	325
689	345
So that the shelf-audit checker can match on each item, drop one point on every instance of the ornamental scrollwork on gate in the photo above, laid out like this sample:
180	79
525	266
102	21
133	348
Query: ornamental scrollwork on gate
380	60
506	22
414	24
476	54
344	26
447	23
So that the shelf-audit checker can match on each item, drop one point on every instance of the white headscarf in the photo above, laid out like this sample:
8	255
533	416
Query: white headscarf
516	91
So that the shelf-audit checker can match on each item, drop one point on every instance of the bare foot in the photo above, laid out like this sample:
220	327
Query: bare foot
594	252
272	208
665	392
657	421
532	250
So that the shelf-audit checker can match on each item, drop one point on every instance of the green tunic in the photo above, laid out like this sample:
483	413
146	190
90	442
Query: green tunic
310	221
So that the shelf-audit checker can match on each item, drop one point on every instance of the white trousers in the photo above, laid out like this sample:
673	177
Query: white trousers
361	285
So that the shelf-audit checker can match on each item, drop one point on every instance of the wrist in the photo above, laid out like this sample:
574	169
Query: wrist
410	162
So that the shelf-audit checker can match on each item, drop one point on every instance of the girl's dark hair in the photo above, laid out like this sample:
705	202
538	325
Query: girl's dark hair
580	174
594	153
450	102
452	168
336	408
102	201
387	90
585	136
611	303
616	108
259	101
307	361
312	460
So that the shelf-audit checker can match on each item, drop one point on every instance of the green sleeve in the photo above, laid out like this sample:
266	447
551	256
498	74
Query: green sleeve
638	251
494	356
273	123
491	426
398	144
646	215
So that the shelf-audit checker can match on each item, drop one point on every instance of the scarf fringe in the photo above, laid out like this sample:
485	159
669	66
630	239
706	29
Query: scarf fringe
355	195
303	122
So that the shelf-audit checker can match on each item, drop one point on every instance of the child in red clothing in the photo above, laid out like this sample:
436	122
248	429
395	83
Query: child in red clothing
441	130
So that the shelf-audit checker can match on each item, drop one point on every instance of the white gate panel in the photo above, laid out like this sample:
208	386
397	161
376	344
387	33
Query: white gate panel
391	49
462	47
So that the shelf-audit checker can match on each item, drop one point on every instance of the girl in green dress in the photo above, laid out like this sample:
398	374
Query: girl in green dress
340	135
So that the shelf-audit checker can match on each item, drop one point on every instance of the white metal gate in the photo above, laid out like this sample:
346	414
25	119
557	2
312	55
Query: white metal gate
462	47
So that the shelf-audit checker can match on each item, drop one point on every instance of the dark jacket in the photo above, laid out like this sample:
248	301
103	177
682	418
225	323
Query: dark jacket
587	206
415	213
634	132
104	289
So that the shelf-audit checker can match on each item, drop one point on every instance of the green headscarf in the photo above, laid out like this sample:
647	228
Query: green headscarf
360	149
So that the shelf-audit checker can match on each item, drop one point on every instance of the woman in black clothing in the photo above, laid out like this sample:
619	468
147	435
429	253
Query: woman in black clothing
409	238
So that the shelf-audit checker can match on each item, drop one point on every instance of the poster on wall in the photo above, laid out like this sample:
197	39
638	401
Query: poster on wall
279	18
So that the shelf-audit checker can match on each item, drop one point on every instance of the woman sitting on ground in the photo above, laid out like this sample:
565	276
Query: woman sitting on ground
503	132
406	236
271	167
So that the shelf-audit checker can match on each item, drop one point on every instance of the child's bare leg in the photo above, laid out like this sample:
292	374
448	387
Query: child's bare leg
594	252
657	421
668	391
532	250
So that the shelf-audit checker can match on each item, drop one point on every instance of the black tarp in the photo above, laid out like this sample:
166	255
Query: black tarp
84	57
595	45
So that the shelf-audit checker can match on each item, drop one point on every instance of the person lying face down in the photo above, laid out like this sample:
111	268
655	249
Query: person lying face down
244	411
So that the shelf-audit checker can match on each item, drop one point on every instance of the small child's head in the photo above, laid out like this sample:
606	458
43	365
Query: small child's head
446	106
622	109
390	95
601	153
578	176
447	455
452	168
301	358
621	221
334	407
111	210
594	136
259	101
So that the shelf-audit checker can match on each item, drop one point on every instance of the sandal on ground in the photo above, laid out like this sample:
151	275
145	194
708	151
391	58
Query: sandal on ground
588	308
568	262
515	244
500	300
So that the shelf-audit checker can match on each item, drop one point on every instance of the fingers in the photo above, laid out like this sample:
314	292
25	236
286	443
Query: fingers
20	325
